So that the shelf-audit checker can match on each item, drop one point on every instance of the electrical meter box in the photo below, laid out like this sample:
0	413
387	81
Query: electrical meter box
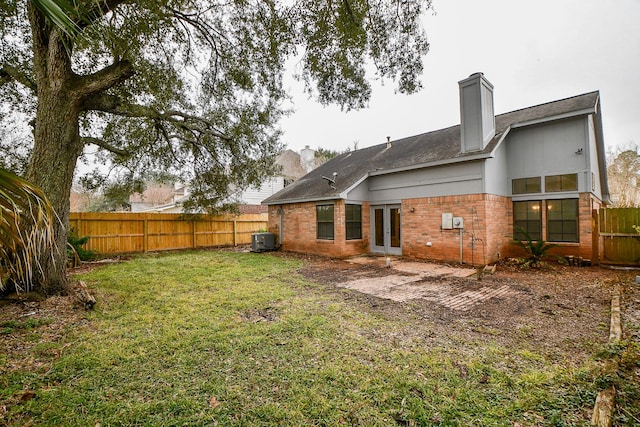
447	221
458	222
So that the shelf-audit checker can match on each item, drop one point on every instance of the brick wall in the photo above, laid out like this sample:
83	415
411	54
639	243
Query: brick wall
422	223
486	237
300	230
584	247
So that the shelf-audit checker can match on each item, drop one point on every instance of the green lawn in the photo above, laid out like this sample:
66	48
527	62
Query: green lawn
222	338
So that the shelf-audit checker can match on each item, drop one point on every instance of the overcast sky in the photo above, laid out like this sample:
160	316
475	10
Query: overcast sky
532	52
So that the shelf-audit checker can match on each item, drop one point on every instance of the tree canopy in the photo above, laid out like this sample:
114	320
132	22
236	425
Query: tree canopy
623	173
189	87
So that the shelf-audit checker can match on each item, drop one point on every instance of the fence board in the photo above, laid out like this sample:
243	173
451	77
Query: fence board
621	243
141	232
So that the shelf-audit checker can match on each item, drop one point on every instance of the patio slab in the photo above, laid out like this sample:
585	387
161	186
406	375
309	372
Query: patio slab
417	282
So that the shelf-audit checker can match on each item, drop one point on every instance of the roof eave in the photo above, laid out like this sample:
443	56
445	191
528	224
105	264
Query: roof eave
479	156
344	193
302	200
568	115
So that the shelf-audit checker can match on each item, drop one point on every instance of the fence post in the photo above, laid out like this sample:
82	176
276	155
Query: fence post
235	239
193	236
145	236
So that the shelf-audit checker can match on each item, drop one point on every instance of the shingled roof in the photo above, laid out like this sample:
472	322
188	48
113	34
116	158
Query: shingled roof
428	149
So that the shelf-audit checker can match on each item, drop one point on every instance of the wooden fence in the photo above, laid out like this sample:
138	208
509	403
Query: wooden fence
142	232
621	243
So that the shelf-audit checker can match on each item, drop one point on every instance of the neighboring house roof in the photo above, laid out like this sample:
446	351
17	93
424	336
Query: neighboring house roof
291	164
428	149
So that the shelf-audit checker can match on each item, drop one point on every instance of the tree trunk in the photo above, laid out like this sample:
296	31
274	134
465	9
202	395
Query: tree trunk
56	149
57	144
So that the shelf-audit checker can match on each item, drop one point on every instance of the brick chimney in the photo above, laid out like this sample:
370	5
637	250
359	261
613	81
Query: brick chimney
477	119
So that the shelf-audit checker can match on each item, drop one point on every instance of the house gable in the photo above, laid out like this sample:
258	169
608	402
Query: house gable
431	149
407	192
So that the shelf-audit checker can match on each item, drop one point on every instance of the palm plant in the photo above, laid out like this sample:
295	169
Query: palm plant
536	250
60	13
26	230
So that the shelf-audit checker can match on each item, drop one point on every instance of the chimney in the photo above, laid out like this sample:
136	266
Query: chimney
307	158
388	142
477	119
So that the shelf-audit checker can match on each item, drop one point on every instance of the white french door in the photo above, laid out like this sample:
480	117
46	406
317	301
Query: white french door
385	229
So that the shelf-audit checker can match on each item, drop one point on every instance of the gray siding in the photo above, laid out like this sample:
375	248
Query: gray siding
360	193
495	173
476	112
448	180
550	149
593	159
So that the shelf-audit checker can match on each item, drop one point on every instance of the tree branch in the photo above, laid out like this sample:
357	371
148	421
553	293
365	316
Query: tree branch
104	144
106	78
187	122
9	73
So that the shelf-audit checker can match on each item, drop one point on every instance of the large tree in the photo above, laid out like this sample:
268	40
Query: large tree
192	87
623	173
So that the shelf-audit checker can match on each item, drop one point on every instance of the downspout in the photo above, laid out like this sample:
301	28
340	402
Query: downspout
460	246
281	231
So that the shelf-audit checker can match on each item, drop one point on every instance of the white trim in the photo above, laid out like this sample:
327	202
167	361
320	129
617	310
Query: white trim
344	193
586	111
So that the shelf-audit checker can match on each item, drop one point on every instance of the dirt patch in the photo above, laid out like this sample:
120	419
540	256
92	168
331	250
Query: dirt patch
561	311
52	318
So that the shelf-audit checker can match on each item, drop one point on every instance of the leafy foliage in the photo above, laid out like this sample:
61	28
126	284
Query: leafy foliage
537	250
200	88
189	88
26	228
77	243
623	173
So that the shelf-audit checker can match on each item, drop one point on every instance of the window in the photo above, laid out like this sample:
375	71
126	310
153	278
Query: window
353	221
562	220
566	182
525	185
324	215
528	216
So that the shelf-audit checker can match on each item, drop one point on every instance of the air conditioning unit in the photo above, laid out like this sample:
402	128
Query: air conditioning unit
261	242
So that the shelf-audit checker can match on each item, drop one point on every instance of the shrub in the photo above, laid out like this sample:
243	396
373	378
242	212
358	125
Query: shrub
536	249
76	244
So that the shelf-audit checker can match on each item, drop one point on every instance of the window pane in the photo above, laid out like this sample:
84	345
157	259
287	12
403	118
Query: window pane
518	186
527	216
552	183
325	213
562	220
566	182
570	181
324	217
526	185
353	212
379	224
353	222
